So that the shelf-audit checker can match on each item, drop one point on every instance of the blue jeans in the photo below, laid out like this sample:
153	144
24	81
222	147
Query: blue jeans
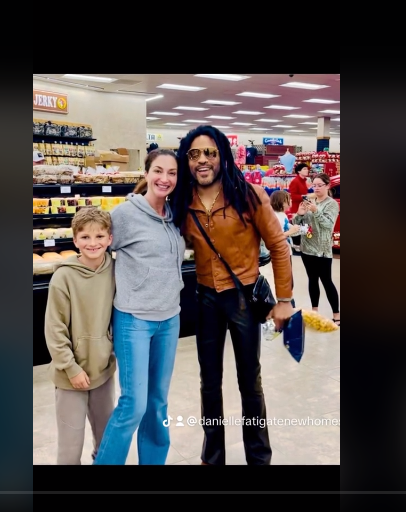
145	352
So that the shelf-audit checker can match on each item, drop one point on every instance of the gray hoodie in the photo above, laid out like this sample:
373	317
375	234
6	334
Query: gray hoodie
149	254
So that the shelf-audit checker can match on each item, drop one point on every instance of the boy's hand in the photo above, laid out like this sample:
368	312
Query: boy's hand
80	381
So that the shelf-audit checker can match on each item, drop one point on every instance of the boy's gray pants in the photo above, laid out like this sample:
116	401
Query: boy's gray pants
72	408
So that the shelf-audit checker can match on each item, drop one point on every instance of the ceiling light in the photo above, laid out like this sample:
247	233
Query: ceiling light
335	119
248	112
166	113
155	97
269	120
283	126
244	124
296	131
219	117
180	87
315	100
219	102
233	78
265	130
220	126
303	85
330	111
195	121
91	78
258	95
308	122
152	118
299	116
176	124
190	108
282	107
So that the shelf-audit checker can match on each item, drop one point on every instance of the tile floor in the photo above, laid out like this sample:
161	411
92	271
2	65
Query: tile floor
307	391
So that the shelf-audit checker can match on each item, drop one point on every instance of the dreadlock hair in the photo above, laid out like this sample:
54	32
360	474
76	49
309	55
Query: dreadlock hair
239	193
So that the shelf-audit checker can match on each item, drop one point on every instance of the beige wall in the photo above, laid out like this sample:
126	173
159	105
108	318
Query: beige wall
118	120
169	138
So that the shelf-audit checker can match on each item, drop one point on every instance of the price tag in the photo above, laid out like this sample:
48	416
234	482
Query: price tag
65	190
106	188
49	243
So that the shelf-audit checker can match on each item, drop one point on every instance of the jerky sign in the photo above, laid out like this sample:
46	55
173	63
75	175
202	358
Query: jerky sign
50	101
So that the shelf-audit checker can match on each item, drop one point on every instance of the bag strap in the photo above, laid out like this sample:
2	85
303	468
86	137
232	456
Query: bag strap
236	281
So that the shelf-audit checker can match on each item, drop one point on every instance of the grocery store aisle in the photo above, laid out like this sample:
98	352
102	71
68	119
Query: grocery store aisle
303	399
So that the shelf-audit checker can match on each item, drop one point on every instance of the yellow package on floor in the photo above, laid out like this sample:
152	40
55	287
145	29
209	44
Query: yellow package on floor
318	322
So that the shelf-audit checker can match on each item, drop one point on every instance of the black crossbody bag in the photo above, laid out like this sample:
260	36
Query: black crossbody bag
262	300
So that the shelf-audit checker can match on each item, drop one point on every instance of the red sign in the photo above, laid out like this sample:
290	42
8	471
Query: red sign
233	140
50	101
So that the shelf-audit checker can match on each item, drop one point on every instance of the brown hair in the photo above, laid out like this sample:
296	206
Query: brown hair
141	187
278	199
325	178
90	214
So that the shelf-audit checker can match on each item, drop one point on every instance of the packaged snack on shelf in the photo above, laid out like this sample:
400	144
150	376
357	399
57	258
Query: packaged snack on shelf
71	209
96	201
58	209
62	233
38	234
48	149
71	201
50	233
40	210
84	201
58	201
40	202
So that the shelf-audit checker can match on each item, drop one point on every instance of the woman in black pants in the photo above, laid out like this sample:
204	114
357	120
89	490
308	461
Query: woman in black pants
316	246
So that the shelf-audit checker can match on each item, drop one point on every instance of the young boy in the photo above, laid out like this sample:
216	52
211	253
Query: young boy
77	324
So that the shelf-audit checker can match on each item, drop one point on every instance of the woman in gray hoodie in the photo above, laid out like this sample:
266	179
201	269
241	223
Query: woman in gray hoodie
148	271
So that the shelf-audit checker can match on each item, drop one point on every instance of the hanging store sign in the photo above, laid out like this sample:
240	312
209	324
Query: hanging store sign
272	141
233	140
50	101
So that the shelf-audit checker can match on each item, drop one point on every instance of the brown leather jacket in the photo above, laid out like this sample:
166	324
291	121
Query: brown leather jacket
238	245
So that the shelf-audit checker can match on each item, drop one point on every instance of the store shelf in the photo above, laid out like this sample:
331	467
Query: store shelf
58	241
84	189
55	138
53	215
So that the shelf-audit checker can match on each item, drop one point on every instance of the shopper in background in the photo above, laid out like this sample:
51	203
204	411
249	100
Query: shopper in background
316	246
298	186
281	202
149	254
38	158
236	215
77	325
297	189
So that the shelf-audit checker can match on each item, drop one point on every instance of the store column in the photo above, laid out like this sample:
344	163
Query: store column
323	133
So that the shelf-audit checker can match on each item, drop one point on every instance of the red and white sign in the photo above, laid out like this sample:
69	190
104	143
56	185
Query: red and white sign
233	140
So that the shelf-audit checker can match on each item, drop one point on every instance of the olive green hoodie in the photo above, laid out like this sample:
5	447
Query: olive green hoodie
77	321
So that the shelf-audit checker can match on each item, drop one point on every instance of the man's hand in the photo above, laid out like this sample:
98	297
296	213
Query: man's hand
80	381
281	312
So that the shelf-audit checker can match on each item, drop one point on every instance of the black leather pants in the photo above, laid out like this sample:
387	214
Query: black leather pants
218	312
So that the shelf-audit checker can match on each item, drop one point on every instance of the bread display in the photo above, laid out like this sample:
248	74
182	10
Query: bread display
50	256
67	254
36	257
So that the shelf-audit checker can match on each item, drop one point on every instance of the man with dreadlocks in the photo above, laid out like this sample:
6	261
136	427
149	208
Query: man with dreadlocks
235	215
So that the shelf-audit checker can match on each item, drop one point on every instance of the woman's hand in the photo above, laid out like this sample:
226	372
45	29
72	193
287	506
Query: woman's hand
293	230
302	209
310	207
